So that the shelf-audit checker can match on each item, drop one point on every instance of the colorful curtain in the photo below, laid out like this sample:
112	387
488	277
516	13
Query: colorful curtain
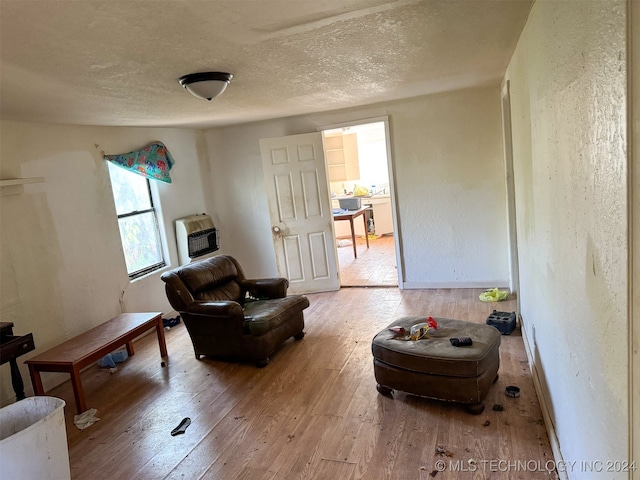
153	161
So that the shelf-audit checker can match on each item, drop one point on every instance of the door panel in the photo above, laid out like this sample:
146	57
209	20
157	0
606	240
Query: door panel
284	197
300	211
311	194
293	258
319	260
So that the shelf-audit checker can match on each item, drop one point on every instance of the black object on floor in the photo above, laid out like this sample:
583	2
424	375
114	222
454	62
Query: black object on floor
505	322
171	322
182	427
512	391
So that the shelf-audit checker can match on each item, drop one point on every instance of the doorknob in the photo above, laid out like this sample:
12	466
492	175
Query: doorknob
276	229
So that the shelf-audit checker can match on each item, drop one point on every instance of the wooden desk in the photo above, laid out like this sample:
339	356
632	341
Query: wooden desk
350	215
85	349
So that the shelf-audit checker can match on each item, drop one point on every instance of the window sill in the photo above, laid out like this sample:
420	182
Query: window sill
159	271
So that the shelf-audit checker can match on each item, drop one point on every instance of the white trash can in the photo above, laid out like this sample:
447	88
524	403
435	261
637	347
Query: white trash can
33	440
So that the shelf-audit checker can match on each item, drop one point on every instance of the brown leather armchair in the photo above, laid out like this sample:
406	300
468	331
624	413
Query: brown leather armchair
230	316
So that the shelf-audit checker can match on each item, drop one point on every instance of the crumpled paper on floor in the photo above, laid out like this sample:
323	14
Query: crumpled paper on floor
494	295
85	419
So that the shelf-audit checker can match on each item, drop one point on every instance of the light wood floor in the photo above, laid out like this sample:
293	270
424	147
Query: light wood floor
375	266
312	413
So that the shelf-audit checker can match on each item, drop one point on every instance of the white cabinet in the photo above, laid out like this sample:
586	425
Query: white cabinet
382	217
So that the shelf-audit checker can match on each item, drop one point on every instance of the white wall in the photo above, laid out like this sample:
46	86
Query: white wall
569	135
62	266
450	187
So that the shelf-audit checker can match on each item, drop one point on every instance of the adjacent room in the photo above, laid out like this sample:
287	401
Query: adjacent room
358	166
364	165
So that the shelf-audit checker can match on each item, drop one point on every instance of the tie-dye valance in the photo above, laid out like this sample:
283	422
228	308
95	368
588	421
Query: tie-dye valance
153	161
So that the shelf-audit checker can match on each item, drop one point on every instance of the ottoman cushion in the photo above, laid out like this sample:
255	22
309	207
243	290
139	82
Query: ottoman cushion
433	367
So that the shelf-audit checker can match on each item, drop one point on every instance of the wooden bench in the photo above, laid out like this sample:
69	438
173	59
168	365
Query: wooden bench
84	350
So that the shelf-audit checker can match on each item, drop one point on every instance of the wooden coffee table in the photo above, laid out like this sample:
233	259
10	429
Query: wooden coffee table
82	351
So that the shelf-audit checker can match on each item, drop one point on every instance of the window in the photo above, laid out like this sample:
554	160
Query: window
137	220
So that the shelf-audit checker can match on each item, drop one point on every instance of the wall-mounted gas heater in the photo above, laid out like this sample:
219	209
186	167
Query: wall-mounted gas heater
196	236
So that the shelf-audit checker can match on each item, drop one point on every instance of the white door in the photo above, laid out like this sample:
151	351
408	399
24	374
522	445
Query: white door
300	210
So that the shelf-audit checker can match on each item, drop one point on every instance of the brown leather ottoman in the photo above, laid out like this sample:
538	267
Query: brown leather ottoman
434	368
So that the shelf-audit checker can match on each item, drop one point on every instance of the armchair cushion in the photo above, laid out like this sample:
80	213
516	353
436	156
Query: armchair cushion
262	316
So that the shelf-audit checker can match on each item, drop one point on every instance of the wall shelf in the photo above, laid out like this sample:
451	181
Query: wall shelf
342	157
15	186
20	181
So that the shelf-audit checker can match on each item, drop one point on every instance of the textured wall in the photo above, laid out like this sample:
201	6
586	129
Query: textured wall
450	186
569	131
451	190
62	267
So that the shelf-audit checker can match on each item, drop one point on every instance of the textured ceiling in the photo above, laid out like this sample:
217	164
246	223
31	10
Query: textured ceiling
108	62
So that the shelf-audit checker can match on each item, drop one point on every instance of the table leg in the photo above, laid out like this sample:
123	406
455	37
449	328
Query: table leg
78	393
161	341
353	238
36	381
16	380
366	229
130	350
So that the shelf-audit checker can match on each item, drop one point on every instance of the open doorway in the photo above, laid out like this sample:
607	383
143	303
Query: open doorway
358	166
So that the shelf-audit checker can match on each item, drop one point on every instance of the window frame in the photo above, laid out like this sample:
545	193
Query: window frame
154	211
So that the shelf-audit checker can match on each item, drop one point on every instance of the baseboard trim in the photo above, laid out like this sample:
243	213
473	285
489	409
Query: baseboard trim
544	406
485	284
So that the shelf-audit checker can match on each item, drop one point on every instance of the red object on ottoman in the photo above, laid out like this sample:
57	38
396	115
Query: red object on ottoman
433	367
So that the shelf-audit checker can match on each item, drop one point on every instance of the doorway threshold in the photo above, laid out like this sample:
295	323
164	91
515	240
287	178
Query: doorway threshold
368	286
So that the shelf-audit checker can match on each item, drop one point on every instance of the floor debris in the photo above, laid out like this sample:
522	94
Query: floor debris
85	419
182	427
441	450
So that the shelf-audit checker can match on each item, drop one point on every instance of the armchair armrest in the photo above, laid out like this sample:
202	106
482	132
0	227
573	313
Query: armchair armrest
267	287
221	308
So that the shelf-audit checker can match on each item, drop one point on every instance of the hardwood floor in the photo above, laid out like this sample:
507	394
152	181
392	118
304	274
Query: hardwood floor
312	413
374	267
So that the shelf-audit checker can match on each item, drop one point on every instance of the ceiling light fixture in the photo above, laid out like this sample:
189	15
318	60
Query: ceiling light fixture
206	85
